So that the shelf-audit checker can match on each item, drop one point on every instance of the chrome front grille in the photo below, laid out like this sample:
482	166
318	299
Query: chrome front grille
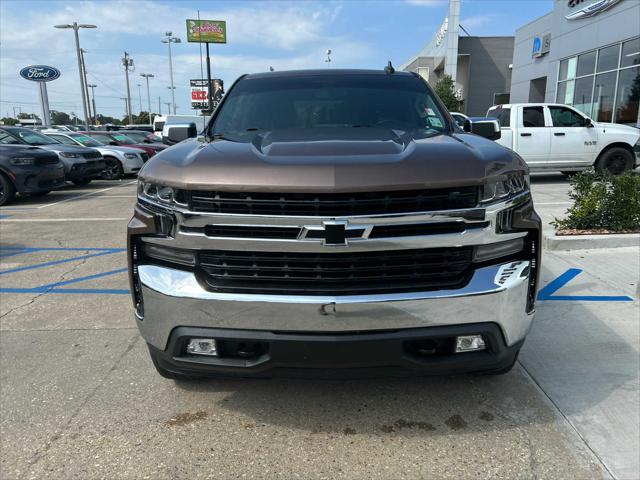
332	204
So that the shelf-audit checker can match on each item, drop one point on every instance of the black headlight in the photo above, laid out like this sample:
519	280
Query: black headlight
504	187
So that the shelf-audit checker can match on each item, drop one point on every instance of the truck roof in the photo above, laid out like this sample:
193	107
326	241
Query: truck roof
540	104
324	72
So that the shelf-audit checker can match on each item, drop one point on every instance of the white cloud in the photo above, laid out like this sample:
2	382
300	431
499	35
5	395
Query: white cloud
426	3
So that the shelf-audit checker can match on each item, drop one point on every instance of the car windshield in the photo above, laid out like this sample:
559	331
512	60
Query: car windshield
262	104
86	141
33	138
138	137
123	139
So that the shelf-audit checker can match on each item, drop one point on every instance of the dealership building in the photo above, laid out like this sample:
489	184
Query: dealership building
466	59
584	53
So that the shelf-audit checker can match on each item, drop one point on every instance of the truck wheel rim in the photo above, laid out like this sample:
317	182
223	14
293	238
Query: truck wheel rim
616	164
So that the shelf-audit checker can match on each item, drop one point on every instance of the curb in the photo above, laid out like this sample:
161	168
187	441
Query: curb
588	242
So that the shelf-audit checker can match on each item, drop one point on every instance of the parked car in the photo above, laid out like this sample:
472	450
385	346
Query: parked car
81	164
159	121
144	128
555	137
119	161
460	118
120	139
142	136
333	220
28	170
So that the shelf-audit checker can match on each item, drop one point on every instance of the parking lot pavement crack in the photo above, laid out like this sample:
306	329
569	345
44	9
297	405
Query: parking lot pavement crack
41	453
61	278
568	422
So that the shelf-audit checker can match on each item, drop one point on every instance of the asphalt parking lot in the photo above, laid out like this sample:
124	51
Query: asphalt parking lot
80	398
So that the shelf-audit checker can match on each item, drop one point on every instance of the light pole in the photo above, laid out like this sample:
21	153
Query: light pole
85	83
147	76
93	103
126	107
77	27
140	96
168	39
173	102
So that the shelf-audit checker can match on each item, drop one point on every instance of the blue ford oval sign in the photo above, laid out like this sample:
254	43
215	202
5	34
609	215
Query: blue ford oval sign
39	73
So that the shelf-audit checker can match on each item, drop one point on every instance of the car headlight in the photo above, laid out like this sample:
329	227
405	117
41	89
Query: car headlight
130	155
70	155
23	161
162	194
504	187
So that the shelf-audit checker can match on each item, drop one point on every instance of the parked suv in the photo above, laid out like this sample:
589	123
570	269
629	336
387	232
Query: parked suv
28	170
81	164
334	220
119	161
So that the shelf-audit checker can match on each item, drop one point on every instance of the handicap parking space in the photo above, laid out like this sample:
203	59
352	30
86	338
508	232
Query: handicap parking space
70	346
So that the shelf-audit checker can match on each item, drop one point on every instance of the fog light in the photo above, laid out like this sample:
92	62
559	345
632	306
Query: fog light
469	343
202	346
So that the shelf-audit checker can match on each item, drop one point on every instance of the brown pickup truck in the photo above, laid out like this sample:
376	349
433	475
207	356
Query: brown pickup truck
334	222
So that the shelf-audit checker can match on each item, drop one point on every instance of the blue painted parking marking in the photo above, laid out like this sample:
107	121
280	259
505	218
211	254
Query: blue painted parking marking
547	293
8	251
2	215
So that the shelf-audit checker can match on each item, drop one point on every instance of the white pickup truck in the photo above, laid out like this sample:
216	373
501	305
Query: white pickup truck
554	137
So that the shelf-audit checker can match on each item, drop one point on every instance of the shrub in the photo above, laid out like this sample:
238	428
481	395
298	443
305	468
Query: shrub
603	202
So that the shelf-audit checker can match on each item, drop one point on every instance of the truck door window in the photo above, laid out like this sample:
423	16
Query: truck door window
533	117
502	114
565	117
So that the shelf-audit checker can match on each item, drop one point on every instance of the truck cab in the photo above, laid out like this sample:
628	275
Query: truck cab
556	137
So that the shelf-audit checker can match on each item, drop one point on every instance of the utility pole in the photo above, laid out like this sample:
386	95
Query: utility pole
93	101
159	106
128	62
84	83
75	26
147	76
168	39
168	104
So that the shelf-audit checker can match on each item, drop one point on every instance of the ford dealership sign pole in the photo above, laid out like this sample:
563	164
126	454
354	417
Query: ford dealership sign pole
41	74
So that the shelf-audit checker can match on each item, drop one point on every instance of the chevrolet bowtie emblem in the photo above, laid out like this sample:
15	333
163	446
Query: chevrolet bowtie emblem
335	232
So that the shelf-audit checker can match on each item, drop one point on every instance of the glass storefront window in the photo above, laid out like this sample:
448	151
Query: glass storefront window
586	64
608	58
582	94
631	53
565	92
603	93
628	96
568	68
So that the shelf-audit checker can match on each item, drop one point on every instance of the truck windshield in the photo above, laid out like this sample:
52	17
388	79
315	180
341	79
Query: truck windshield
297	102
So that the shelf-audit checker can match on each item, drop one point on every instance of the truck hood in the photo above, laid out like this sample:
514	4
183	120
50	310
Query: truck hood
325	160
618	129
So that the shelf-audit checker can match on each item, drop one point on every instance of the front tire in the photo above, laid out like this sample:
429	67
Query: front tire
113	169
7	190
614	161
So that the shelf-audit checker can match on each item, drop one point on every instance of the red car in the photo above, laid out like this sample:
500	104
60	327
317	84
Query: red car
119	138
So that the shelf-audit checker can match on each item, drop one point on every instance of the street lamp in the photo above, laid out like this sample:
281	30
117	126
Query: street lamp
168	39
93	102
147	76
76	26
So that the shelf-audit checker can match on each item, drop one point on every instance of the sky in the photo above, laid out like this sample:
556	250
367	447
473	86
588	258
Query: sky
284	35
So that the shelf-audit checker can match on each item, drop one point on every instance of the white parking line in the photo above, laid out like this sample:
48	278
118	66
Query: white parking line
86	194
43	220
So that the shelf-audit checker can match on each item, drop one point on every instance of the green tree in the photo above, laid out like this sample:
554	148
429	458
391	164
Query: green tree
446	90
60	118
103	120
28	116
8	121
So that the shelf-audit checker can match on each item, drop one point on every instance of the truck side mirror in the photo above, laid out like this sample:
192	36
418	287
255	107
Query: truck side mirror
487	127
176	133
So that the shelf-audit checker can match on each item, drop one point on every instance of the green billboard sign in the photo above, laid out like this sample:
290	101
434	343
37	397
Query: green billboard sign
206	31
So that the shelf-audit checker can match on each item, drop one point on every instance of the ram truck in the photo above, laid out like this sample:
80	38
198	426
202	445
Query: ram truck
555	137
334	222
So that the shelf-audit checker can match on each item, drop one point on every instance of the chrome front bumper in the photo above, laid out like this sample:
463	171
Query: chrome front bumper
174	298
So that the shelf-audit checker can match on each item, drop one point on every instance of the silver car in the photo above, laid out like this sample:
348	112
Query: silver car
119	161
